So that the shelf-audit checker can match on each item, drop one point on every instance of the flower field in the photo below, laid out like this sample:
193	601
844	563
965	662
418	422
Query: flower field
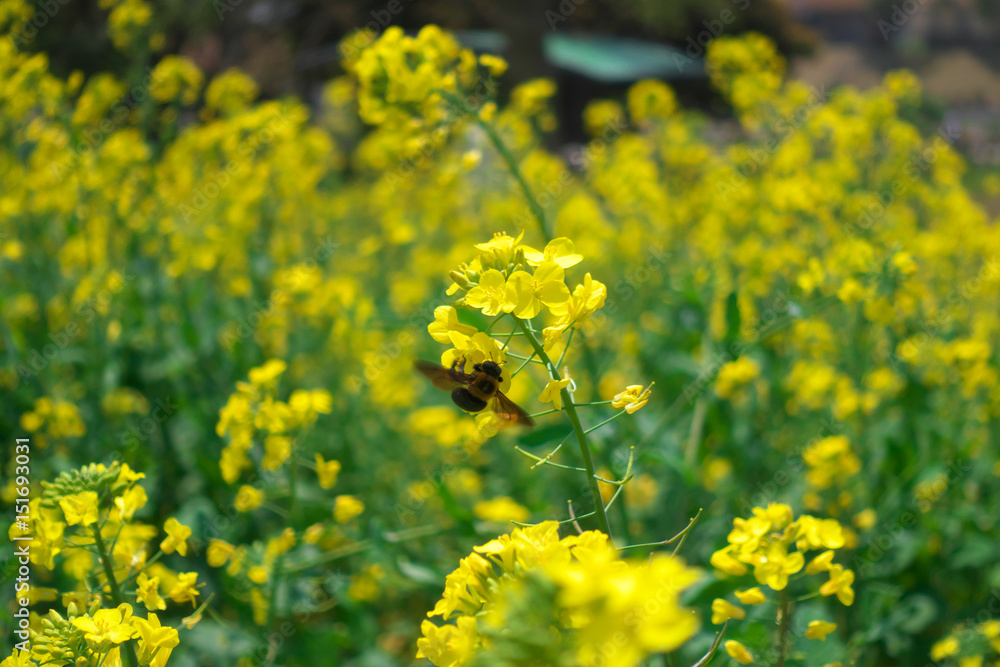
746	407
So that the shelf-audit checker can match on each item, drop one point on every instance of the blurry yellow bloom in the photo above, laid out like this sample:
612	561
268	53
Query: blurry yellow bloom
722	611
752	596
775	564
346	508
186	588
177	535
327	471
735	375
79	508
820	563
448	645
865	519
820	629
495	64
723	560
267	373
218	552
945	648
839	584
148	592
501	509
248	498
738	652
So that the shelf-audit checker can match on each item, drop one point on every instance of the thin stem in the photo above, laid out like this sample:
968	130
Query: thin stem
508	158
569	341
783	622
609	419
581	436
116	596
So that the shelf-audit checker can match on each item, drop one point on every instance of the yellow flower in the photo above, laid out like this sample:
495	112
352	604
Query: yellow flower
738	652
560	250
820	629
327	471
155	641
495	64
445	321
751	596
773	566
18	659
107	627
501	510
218	552
177	535
148	592
722	611
820	563
945	648
840	583
186	587
544	288
448	645
493	294
268	373
499	251
814	533
553	392
633	398
724	560
129	502
346	508
248	498
79	508
865	519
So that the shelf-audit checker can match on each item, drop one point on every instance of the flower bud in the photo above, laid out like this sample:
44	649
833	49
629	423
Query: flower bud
459	279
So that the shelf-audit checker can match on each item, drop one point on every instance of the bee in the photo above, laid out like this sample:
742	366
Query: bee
474	391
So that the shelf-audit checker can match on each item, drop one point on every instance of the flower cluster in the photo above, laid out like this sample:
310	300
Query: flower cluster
572	599
774	545
969	645
84	522
254	412
507	277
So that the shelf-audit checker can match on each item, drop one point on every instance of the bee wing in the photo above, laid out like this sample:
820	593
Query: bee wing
509	412
445	379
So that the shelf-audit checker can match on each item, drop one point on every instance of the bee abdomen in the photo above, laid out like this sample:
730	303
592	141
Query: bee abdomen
464	399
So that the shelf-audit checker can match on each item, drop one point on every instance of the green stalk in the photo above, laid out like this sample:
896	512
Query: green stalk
783	623
581	435
515	171
116	596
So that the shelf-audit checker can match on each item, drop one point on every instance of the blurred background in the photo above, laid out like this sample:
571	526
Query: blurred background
592	48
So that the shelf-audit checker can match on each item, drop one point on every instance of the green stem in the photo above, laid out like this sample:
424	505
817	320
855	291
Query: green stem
508	158
515	171
581	436
116	595
783	622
